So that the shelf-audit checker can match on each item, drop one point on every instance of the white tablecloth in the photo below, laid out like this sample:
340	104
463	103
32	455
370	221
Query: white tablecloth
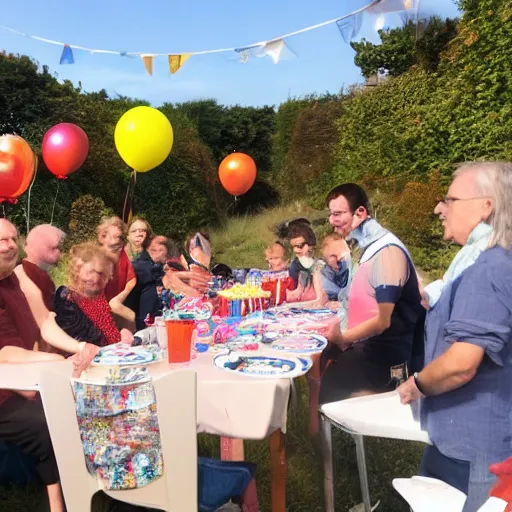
228	404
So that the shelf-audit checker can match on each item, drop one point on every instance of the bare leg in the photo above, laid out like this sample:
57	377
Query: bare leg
55	498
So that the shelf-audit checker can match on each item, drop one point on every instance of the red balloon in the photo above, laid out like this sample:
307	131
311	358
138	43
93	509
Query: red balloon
65	148
237	173
17	167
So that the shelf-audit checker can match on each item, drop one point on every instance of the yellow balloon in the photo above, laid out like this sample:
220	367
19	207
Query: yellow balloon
143	138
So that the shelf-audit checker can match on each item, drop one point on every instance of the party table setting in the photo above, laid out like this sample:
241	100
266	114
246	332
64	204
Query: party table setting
245	356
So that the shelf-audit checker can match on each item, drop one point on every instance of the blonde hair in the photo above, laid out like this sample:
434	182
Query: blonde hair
331	237
109	222
494	180
85	253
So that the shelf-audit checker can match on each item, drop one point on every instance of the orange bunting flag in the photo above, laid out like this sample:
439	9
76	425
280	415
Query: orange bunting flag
147	60
176	61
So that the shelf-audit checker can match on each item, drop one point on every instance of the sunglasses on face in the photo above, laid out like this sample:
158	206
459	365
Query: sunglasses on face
299	246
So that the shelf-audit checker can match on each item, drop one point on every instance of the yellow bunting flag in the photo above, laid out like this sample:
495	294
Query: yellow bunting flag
147	60
176	61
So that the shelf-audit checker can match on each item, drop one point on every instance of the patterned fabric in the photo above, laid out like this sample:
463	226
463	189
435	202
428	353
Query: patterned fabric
85	319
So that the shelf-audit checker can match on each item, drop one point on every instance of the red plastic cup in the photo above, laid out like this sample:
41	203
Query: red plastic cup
179	340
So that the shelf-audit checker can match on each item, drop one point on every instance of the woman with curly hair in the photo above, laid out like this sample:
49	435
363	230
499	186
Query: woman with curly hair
81	307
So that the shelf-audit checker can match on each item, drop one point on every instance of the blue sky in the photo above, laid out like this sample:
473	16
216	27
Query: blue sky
323	63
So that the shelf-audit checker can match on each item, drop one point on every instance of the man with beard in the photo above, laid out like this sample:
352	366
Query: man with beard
43	249
22	419
111	237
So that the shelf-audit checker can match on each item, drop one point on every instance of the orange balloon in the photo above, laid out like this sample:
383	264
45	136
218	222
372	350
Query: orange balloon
237	173
18	166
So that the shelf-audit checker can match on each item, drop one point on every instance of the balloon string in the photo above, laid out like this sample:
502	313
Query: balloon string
130	193
55	202
30	192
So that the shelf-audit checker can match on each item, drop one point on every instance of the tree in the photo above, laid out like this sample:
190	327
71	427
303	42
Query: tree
404	47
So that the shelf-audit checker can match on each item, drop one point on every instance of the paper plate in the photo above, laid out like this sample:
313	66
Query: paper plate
263	367
301	343
121	356
306	363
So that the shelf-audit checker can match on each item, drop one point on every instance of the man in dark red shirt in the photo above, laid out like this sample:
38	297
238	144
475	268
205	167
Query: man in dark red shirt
22	419
43	249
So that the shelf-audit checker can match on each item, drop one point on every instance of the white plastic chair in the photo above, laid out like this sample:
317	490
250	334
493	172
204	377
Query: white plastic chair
174	491
427	494
377	415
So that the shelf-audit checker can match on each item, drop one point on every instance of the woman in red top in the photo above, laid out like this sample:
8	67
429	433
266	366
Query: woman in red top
82	309
111	237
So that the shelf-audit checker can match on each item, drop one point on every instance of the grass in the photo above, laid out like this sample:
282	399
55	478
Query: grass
241	243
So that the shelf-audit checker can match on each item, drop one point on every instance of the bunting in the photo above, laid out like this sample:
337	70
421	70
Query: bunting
349	26
176	61
147	60
273	49
386	6
67	55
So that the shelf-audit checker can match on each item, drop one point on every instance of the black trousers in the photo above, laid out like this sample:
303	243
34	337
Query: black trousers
452	471
23	423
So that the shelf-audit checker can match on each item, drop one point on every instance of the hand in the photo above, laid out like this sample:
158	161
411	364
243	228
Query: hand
126	336
82	360
332	331
409	392
199	278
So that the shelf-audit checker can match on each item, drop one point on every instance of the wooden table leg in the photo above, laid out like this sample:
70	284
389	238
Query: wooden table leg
314	395
278	455
231	449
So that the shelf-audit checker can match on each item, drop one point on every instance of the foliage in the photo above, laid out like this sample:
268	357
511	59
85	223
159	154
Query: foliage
86	213
401	48
227	129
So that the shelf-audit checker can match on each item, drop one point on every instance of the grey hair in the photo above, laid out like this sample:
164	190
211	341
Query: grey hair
494	180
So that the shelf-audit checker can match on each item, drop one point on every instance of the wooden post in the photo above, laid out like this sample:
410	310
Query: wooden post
278	455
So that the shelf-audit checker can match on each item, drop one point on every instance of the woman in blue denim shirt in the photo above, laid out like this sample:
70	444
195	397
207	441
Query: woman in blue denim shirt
466	385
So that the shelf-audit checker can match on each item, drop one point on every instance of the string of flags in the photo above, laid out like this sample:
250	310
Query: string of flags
349	26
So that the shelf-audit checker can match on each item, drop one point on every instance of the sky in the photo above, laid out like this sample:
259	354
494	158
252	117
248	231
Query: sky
319	61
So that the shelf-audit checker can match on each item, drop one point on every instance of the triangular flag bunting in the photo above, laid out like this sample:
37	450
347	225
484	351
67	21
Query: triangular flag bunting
384	6
350	27
273	50
245	54
176	61
147	60
67	55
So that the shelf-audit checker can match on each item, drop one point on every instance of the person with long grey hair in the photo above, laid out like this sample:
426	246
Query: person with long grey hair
466	383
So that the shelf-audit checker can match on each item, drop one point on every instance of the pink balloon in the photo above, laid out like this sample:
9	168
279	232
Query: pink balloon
65	148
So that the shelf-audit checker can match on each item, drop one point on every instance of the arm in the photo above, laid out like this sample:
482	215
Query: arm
456	367
321	296
130	285
10	354
479	325
50	331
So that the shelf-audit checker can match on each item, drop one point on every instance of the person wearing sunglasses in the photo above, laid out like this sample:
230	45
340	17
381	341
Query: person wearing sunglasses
465	387
305	268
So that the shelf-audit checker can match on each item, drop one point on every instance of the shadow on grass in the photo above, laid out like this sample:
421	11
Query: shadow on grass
386	460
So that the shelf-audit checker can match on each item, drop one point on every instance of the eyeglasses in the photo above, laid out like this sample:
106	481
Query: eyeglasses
337	214
299	246
449	200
